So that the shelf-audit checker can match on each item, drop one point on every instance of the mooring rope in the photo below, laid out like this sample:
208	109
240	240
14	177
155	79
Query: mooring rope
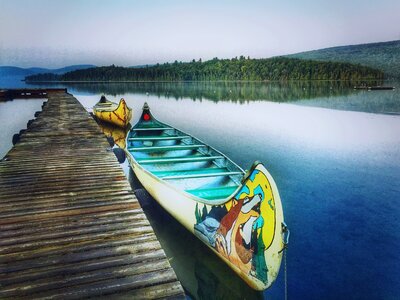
286	235
285	270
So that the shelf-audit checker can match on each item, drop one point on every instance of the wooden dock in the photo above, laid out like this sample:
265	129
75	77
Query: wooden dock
70	225
6	95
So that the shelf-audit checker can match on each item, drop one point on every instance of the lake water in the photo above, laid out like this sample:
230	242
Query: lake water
334	153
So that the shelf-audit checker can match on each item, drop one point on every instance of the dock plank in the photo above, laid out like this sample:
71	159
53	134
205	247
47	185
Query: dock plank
71	226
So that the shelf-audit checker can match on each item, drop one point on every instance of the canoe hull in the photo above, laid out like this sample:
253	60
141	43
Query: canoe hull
119	116
244	231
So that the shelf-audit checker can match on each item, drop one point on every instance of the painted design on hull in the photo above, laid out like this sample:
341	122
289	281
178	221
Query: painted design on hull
243	228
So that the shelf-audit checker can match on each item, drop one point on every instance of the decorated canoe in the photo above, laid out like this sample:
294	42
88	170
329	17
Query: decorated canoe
237	214
117	114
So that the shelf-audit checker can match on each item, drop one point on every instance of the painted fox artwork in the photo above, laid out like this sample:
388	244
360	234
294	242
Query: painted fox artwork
243	228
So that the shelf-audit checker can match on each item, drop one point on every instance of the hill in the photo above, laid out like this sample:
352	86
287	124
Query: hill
16	71
278	68
384	56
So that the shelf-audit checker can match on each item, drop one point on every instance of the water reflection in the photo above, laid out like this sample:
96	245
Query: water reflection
328	94
118	134
14	116
338	177
225	91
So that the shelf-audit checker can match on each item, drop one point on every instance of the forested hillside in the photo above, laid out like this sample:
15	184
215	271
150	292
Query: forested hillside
278	68
16	71
382	56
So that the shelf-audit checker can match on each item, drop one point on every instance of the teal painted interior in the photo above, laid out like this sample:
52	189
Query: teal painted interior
153	145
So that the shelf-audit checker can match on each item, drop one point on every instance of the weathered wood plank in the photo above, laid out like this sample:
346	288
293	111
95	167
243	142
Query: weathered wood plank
75	259
171	290
23	205
67	195
66	212
61	220
110	286
115	241
60	281
73	239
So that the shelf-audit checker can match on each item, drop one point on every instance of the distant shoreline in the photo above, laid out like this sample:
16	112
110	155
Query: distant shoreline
201	81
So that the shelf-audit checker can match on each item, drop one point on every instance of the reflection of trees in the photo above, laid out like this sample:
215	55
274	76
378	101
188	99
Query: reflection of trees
225	91
386	102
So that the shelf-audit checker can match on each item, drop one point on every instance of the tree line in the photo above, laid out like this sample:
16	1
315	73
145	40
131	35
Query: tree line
241	91
246	69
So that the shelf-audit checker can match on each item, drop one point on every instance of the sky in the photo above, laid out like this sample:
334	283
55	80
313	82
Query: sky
57	33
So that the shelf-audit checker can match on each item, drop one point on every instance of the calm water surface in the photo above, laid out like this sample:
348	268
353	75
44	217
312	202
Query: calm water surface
335	155
15	116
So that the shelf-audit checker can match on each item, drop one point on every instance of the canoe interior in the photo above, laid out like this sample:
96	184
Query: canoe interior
106	106
182	160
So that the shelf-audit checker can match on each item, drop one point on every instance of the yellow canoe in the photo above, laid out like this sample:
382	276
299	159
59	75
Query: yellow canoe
117	114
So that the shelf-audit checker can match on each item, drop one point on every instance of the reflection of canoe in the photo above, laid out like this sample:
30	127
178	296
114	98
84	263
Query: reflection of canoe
378	88
117	133
117	114
374	88
237	215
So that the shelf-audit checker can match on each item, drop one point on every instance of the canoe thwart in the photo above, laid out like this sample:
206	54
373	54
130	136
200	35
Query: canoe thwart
152	128
213	193
165	148
188	176
178	159
159	138
166	173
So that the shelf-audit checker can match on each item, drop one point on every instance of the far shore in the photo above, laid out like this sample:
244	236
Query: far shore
204	81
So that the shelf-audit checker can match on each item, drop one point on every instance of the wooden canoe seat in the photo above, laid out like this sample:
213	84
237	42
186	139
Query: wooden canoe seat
152	128
196	173
165	148
159	138
177	159
213	193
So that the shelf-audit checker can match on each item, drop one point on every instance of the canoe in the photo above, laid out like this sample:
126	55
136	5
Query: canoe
237	214
117	114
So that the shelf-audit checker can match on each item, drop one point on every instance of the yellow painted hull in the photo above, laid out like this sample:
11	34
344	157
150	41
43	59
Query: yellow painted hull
117	114
117	133
184	208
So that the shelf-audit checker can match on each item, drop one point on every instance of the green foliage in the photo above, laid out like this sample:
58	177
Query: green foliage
382	56
278	68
